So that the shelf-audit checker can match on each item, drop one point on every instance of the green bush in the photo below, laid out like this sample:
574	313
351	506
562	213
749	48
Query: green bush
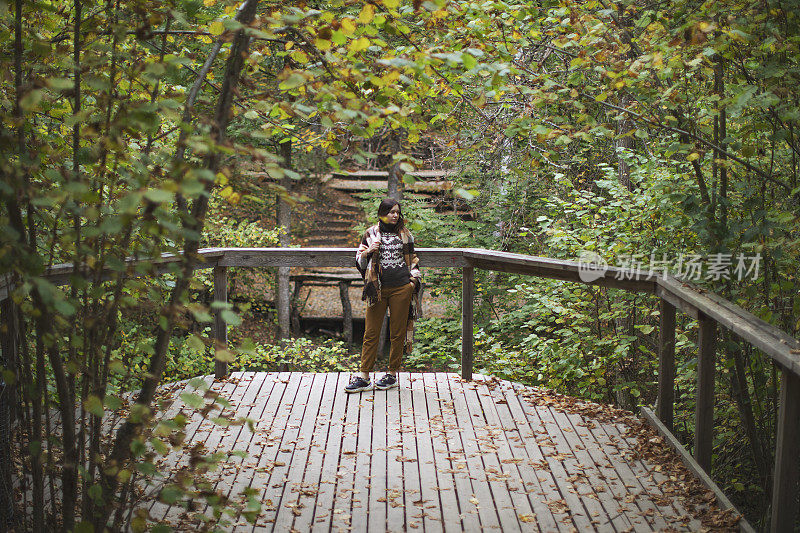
437	345
303	354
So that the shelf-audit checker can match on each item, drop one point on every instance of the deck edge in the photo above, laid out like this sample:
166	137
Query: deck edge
694	467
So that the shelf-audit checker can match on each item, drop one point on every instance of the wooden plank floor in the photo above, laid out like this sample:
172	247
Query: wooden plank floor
435	454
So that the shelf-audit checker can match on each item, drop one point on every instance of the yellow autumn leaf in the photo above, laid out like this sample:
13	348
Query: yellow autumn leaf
391	4
216	28
323	44
390	76
348	27
209	3
300	56
367	13
362	43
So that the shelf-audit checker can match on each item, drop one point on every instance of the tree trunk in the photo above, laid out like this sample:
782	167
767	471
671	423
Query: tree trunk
295	308
284	219
395	183
131	428
721	156
8	406
624	144
347	312
741	393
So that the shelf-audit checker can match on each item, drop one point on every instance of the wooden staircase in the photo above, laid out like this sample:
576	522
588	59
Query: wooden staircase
433	187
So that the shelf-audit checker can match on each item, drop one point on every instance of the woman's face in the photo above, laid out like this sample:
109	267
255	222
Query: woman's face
394	214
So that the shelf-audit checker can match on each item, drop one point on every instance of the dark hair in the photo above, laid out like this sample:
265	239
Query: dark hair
386	205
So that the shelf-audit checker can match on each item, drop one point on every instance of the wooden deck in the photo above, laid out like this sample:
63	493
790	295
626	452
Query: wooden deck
436	454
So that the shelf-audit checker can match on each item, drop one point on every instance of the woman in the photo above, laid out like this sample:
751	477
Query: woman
390	268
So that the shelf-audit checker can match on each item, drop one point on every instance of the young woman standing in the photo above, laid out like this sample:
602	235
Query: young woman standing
390	268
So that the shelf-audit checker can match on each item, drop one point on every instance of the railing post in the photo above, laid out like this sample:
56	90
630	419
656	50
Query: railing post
666	365
787	450
704	410
347	312
294	310
467	297
220	327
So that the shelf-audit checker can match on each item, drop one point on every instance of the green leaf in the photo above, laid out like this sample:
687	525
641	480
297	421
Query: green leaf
170	494
193	400
85	527
158	195
139	413
339	37
159	446
112	403
232	24
230	317
94	405
148	469
247	346
466	194
96	493
469	61
60	84
30	99
295	79
9	377
191	188
224	355
64	307
198	383
195	343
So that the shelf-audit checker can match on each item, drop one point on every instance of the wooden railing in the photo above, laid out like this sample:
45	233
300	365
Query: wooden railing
710	310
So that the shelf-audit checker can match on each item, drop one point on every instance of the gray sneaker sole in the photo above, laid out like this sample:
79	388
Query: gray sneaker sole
386	387
359	389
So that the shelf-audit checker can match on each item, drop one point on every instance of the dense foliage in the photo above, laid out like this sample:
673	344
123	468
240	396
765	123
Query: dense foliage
135	129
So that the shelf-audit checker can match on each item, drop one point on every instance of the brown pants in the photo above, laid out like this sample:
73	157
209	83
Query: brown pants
398	300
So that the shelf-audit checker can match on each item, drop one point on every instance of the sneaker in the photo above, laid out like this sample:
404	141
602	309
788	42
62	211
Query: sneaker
386	382
357	384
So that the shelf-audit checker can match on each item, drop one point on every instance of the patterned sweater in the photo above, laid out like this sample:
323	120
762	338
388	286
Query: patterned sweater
371	266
